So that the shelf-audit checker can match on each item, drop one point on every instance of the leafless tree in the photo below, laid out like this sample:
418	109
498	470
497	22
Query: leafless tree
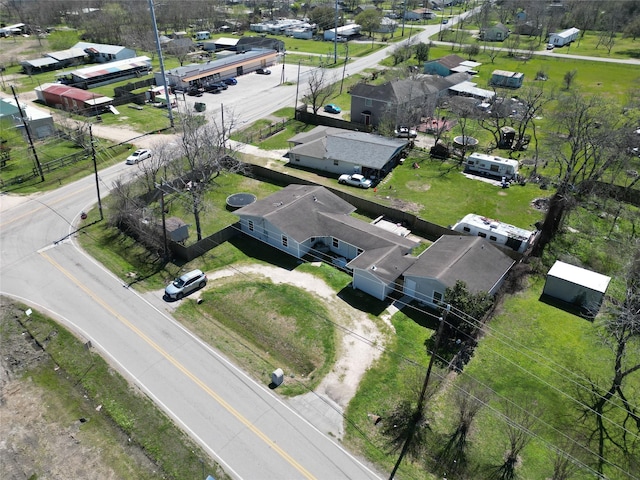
568	79
153	171
204	155
586	146
621	329
320	88
469	399
464	110
492	53
180	48
519	424
496	118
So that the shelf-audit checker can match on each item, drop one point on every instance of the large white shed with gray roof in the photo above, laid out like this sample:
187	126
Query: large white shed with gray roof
576	285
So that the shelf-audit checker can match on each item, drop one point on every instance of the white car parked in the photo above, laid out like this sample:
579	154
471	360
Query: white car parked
138	156
355	180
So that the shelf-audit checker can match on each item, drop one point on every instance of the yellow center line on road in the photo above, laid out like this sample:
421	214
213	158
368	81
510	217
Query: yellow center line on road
184	370
42	205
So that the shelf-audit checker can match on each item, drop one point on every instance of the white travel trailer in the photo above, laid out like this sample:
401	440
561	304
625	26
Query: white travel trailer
204	35
505	234
495	166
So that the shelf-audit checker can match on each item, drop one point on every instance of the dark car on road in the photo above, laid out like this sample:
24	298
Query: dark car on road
263	71
231	81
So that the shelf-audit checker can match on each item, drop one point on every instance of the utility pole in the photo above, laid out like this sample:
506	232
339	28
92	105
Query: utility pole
28	130
159	47
95	169
344	67
164	225
284	60
335	37
417	416
295	107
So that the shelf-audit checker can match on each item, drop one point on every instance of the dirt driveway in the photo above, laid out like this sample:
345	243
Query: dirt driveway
362	342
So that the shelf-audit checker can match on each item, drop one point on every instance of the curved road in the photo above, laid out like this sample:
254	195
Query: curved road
240	423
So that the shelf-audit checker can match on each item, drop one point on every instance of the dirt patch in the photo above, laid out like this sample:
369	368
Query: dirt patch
418	186
41	431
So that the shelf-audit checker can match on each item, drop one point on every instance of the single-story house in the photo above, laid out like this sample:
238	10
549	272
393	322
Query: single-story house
215	70
398	99
496	33
72	99
102	53
473	260
40	122
306	220
560	39
577	286
419	14
387	25
505	78
309	221
339	151
449	65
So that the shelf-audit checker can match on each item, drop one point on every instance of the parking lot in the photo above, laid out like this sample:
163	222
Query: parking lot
254	97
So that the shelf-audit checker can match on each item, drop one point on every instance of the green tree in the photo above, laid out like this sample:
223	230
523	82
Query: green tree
422	52
323	16
370	21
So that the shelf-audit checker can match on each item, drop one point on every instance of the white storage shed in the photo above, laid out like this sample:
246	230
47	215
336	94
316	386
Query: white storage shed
576	285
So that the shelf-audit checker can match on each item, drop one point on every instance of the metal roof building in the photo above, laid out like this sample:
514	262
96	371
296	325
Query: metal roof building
577	286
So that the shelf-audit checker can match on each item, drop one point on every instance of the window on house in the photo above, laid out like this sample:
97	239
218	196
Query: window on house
335	243
368	102
296	158
482	234
437	298
491	237
285	241
250	225
359	251
335	162
466	229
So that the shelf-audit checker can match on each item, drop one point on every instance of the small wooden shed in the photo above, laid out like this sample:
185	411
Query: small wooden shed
577	286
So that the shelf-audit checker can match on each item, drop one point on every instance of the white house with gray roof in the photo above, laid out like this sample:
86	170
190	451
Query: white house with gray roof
339	151
310	221
304	220
102	53
473	260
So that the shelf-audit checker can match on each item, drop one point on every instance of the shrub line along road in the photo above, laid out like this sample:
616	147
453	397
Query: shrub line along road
239	422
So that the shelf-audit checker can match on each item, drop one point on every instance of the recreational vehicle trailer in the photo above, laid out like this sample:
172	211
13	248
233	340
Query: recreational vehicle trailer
505	234
495	166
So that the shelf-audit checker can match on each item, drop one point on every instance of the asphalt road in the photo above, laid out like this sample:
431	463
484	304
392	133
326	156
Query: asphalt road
240	423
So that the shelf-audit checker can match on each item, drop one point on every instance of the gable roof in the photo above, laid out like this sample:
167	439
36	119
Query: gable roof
406	90
305	211
470	259
359	148
450	61
100	48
